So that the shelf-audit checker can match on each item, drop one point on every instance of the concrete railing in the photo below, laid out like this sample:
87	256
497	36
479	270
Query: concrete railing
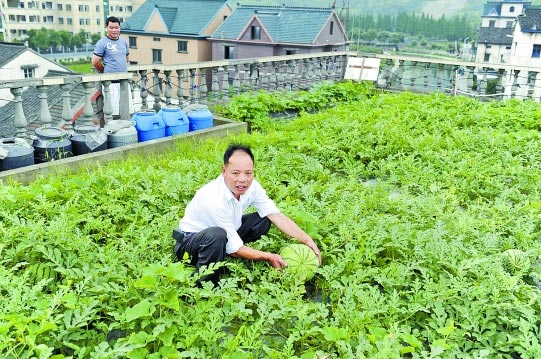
152	86
475	79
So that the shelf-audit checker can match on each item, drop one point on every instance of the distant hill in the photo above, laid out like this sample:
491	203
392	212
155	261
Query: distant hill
436	8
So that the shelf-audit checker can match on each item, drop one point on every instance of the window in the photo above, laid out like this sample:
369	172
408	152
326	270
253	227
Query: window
133	41
81	21
536	52
492	23
81	7
512	9
68	7
182	46
486	58
12	18
291	52
59	7
70	21
156	39
489	46
22	18
48	19
98	21
332	28
61	20
156	56
509	24
47	5
129	8
21	5
229	52
255	33
33	18
87	22
97	8
28	73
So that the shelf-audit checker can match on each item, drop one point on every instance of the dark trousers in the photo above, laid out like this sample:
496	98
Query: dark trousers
208	246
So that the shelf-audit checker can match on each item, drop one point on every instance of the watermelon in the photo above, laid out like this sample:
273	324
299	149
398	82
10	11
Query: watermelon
516	261
301	260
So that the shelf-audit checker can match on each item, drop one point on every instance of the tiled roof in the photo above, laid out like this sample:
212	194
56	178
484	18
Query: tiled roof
183	17
8	51
530	21
494	8
297	25
494	35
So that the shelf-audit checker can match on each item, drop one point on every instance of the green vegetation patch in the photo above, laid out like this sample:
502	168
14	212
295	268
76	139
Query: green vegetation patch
413	200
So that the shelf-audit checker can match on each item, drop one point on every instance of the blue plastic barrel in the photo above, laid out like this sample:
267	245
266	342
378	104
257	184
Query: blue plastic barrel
200	117
149	125
175	120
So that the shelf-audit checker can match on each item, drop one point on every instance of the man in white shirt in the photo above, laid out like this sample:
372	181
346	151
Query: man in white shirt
214	223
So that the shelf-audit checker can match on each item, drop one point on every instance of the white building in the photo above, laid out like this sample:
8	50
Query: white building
526	48
19	62
496	31
19	16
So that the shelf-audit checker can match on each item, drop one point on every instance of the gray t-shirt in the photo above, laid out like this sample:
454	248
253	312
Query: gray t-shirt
113	54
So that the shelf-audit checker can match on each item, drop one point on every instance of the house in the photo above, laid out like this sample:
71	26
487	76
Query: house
496	31
171	32
19	62
526	49
260	31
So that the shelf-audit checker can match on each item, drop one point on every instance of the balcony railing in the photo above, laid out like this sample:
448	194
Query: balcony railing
485	81
60	101
153	86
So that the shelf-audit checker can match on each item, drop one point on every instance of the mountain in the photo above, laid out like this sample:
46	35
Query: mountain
436	8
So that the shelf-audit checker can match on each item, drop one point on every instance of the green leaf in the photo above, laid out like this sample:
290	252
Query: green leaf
334	334
142	309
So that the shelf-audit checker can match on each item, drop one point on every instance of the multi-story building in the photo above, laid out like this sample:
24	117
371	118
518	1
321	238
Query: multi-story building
19	16
496	31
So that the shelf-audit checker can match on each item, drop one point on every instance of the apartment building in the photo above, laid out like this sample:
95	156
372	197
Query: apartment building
19	16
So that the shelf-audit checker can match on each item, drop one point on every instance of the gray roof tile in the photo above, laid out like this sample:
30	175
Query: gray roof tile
8	51
285	24
494	35
182	17
530	21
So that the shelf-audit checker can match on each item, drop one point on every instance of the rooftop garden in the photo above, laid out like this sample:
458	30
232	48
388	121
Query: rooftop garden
427	209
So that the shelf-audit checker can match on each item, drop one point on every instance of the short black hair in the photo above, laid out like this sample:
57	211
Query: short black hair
237	147
112	19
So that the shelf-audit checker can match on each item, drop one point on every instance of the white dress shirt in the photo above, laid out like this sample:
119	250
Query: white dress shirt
215	206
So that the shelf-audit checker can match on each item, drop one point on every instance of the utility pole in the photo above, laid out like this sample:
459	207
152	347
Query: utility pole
343	15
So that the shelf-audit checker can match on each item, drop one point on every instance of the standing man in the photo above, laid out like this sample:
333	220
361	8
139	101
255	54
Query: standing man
214	223
111	54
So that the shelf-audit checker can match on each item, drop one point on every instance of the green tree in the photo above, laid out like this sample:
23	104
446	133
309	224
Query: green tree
95	37
79	39
65	38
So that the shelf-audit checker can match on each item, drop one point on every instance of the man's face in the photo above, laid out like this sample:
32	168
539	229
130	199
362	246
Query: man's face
113	30
238	173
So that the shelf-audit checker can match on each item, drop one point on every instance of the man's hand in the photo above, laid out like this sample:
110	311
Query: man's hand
313	246
276	261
